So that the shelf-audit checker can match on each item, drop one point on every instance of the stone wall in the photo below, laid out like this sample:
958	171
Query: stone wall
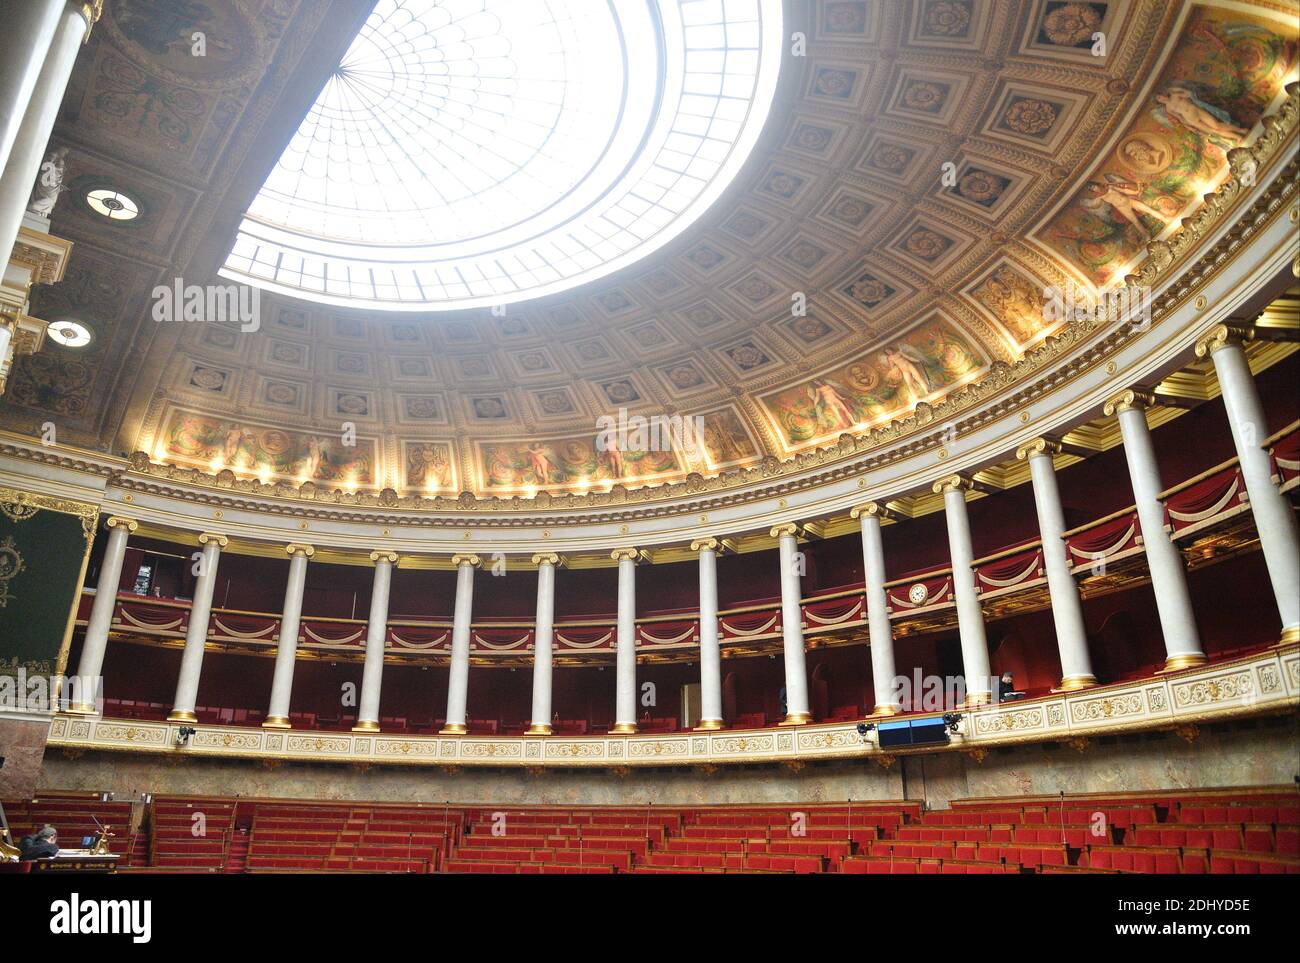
1254	752
22	749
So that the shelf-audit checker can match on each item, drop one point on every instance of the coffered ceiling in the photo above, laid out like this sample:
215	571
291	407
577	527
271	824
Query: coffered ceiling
929	168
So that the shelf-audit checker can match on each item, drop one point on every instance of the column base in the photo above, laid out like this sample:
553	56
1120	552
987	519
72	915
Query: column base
709	725
454	729
976	700
887	709
623	729
796	719
1176	663
538	730
1073	683
82	709
1290	636
277	722
177	715
366	725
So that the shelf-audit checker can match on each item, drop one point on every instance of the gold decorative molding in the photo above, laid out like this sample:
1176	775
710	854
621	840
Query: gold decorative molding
91	10
44	255
1267	683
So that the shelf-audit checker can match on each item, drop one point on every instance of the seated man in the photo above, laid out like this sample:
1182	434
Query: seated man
43	844
1007	688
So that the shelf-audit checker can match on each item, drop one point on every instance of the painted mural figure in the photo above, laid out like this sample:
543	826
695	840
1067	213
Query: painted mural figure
902	362
611	456
427	466
315	453
287	454
1122	198
540	463
1225	73
1014	301
833	411
1182	105
231	446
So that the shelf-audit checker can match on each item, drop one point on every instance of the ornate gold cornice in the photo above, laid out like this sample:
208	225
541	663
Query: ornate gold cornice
1132	399
21	504
45	255
297	548
1039	446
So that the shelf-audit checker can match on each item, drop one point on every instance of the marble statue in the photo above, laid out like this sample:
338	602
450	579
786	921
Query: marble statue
49	183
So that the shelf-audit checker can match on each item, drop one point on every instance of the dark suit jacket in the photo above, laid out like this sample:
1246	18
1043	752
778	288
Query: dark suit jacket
30	847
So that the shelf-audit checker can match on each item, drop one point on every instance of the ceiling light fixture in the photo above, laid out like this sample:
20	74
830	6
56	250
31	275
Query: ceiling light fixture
70	334
113	204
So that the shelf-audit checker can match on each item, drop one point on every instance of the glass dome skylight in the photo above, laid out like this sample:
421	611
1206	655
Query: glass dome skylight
480	152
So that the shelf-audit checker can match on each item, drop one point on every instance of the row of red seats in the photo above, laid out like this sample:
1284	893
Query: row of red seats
1141	833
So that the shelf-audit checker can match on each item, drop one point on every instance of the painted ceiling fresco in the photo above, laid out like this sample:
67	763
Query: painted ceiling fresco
915	284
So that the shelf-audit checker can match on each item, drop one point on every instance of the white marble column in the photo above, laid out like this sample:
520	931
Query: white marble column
543	640
1164	560
90	668
710	651
372	674
797	711
458	678
277	714
880	632
970	616
196	635
18	173
24	43
1275	520
1067	608
625	642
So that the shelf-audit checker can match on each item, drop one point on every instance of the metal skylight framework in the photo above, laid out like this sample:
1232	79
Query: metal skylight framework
480	152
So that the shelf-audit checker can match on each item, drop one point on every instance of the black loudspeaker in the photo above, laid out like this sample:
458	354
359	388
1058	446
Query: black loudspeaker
914	732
